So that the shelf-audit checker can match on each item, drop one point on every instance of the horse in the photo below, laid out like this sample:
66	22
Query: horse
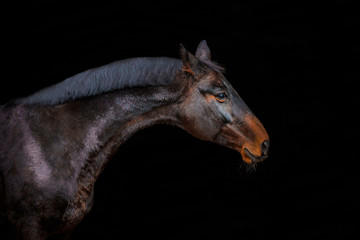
56	142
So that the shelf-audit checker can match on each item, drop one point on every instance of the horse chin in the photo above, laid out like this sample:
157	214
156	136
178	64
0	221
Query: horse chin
245	156
249	158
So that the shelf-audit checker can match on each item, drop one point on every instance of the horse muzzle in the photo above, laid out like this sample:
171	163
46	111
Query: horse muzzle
248	137
251	158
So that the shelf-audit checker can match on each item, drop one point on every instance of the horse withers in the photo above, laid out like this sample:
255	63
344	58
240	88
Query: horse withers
56	142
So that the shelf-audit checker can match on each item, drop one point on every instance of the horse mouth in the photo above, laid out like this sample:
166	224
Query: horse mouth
250	158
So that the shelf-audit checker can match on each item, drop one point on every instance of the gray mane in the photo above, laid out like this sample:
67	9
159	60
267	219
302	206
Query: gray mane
134	72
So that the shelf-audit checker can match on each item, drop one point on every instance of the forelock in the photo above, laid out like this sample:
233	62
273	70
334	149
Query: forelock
213	66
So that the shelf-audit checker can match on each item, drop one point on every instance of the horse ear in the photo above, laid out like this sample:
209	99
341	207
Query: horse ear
189	61
203	51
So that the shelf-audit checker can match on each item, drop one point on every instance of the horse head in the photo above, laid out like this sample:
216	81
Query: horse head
212	110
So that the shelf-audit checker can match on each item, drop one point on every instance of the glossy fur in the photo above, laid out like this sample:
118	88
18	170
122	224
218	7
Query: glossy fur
55	143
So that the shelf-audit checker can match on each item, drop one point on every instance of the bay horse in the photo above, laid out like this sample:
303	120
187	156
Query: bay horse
56	142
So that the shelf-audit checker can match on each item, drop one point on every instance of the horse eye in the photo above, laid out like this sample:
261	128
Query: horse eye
221	97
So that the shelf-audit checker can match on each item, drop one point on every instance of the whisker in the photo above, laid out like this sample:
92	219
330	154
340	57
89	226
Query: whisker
242	167
250	168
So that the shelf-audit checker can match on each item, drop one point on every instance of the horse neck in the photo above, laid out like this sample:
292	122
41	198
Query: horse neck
142	108
118	115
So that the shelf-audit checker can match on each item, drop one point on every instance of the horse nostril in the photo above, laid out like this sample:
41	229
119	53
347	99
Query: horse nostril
265	147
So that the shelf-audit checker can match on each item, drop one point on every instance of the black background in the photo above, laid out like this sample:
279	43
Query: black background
294	64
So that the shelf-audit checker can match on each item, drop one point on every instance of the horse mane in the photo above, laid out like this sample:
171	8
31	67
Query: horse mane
128	73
